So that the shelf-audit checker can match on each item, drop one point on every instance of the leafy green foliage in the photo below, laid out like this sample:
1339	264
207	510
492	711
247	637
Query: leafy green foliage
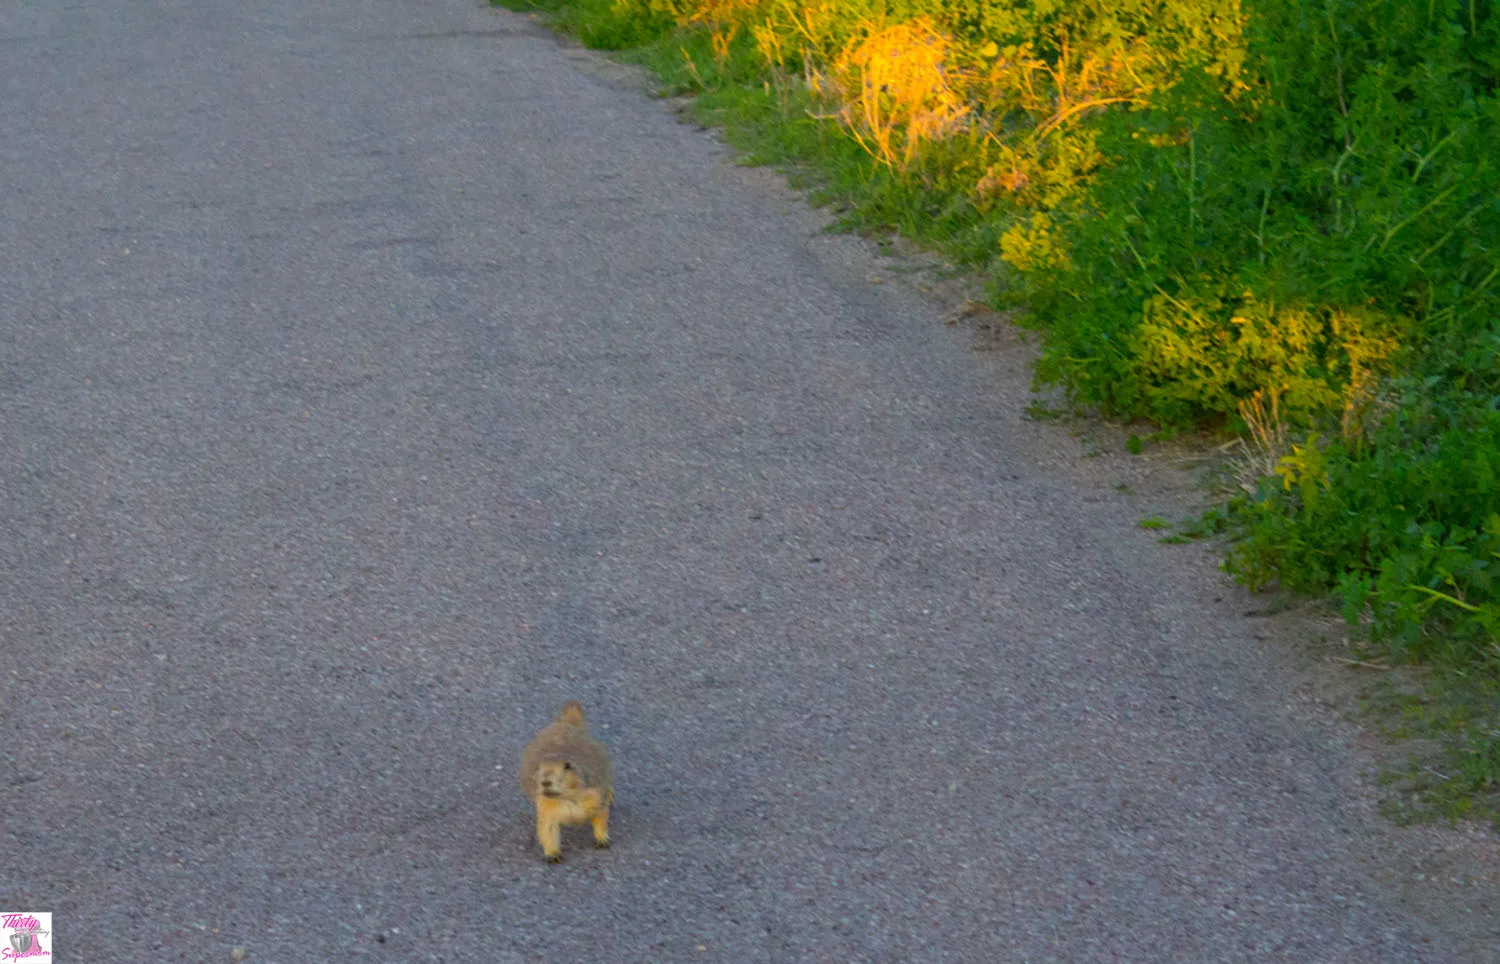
1328	235
1341	209
1405	527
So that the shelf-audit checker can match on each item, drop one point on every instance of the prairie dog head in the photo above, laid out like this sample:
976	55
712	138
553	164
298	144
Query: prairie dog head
559	777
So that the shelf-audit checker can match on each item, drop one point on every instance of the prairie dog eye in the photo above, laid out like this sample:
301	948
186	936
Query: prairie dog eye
567	765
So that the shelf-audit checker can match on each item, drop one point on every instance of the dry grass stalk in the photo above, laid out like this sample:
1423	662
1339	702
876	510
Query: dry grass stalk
1267	445
719	13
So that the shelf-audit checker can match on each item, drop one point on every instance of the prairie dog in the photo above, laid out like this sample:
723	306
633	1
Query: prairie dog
566	773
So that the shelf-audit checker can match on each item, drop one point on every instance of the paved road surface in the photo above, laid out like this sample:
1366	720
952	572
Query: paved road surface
372	380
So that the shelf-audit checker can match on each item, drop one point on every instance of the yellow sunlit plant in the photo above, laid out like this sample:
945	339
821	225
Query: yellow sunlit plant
894	91
1035	164
1215	350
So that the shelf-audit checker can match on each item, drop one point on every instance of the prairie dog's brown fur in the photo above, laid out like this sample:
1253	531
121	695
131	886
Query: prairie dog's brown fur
566	773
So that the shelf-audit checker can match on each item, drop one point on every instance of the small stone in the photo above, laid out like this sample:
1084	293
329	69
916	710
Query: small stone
238	954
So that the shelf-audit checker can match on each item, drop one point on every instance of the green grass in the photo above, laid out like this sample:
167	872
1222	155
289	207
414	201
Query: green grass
1456	717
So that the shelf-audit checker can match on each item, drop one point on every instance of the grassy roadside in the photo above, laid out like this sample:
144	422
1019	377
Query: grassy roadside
1276	220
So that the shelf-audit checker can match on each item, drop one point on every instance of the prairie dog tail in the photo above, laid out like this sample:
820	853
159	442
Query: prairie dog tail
572	712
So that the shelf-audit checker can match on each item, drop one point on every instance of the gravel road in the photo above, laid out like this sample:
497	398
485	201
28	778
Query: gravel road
373	379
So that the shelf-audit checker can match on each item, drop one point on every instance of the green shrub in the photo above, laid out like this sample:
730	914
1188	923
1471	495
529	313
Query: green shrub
1327	238
1355	179
1405	527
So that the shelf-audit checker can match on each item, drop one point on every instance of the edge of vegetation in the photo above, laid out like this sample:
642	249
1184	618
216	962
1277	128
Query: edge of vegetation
1277	220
